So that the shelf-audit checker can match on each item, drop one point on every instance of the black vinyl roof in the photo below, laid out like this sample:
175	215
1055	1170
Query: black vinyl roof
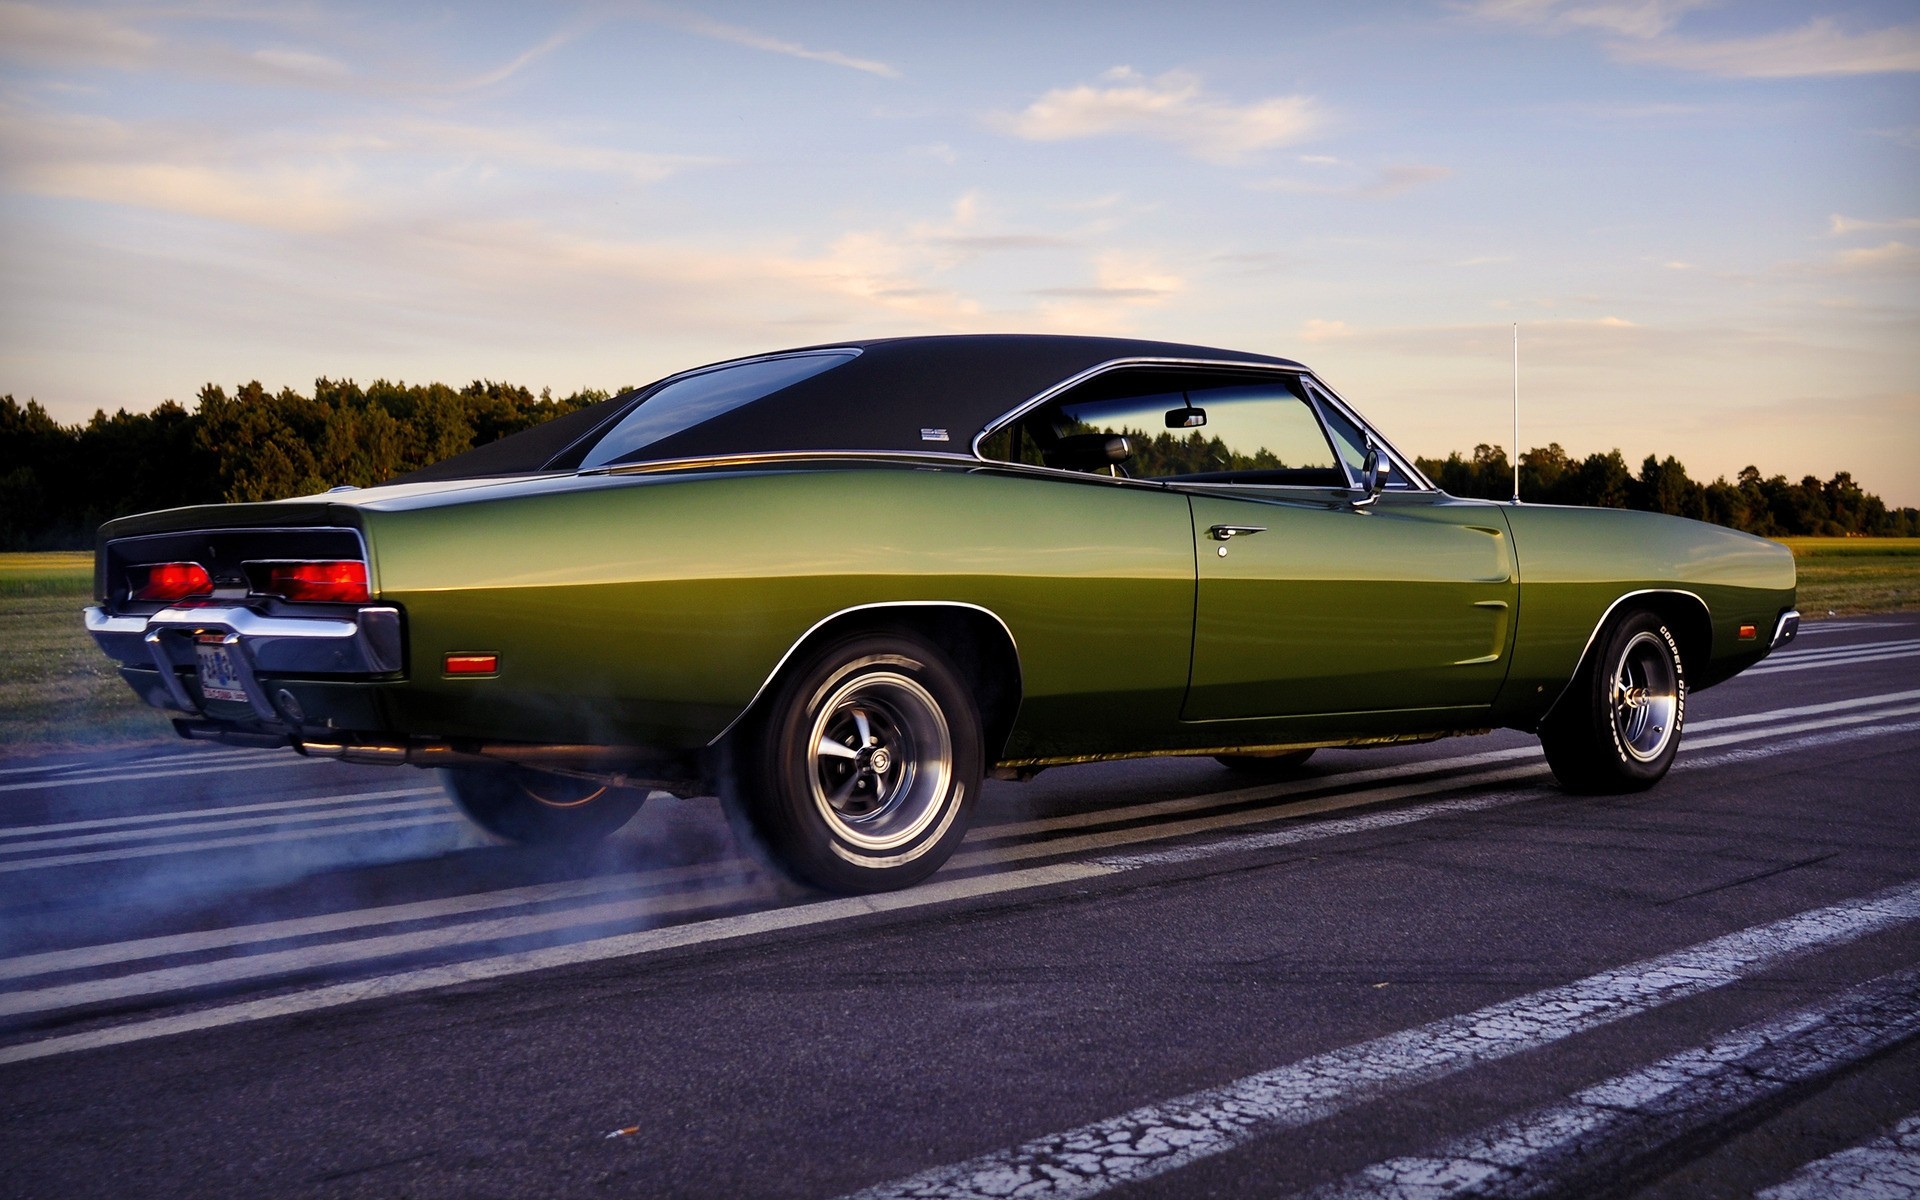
882	400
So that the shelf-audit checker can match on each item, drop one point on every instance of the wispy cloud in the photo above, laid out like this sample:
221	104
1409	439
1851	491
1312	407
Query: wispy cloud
1888	257
1642	31
703	26
1820	47
1842	226
1384	184
1173	107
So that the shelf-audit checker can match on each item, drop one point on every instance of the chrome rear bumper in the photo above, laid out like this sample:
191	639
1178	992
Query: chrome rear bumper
368	642
1785	629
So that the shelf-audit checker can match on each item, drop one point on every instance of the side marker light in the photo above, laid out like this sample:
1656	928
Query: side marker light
1748	633
473	664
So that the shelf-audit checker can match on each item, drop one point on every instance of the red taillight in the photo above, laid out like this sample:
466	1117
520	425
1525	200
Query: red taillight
174	581
343	582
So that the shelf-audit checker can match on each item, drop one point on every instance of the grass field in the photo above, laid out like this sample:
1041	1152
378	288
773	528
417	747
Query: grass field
1839	576
57	690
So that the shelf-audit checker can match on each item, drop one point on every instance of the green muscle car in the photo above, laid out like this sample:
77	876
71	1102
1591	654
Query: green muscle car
839	585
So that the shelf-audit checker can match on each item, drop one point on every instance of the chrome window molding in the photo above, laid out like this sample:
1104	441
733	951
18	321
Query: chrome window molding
749	457
1117	364
830	618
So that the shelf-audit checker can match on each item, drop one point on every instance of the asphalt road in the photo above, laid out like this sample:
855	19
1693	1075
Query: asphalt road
1415	972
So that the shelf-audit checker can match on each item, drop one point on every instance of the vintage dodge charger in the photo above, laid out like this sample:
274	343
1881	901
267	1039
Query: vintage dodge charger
839	585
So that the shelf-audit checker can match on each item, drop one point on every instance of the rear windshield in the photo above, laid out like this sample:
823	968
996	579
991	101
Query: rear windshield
691	399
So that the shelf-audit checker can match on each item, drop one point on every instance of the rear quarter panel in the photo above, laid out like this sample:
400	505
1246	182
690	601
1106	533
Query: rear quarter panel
650	609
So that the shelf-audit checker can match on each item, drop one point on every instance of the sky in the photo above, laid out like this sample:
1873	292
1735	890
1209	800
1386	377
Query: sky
1704	217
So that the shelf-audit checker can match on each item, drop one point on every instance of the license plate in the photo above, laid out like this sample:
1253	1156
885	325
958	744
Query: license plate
218	679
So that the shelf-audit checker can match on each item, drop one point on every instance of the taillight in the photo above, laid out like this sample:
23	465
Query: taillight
174	581
343	582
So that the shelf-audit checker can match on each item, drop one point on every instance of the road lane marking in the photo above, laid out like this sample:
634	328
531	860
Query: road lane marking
1848	648
111	764
281	962
275	760
1851	660
134	835
1161	1137
224	843
1601	1134
1882	1169
189	815
627	945
47	962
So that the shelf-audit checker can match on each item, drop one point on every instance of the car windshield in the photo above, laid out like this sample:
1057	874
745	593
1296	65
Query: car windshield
686	402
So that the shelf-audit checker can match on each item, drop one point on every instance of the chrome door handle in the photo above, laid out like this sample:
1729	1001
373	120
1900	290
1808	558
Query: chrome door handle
1226	533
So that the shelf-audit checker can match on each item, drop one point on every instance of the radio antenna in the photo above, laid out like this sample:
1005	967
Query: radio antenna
1516	412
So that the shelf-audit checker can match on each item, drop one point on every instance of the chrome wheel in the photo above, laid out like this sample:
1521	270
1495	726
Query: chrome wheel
882	760
1645	696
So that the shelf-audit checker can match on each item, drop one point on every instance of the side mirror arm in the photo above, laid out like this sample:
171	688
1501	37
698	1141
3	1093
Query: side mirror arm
1374	473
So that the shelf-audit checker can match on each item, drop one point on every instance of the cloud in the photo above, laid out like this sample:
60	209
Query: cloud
1842	226
1630	18
1174	108
1887	257
695	23
1643	33
1816	48
1386	183
1317	330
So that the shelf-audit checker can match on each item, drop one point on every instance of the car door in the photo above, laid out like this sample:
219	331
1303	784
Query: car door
1310	603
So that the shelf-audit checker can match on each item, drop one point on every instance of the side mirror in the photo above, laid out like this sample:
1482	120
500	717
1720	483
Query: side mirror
1088	451
1374	473
1186	418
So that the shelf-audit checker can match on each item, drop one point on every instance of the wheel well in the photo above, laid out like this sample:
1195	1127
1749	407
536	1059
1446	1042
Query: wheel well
974	640
1686	616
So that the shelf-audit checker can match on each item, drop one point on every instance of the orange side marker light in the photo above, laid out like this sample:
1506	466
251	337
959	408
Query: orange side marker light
1748	633
473	664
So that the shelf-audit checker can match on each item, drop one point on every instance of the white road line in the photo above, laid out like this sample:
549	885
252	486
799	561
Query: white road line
1847	648
1600	1134
628	945
186	816
221	843
1162	1137
310	822
96	764
648	908
1851	660
1806	710
47	962
290	760
1886	1168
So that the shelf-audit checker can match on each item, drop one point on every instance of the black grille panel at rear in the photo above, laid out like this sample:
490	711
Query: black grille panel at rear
223	552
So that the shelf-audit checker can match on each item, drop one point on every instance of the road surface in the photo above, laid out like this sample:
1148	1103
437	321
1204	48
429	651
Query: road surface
1413	972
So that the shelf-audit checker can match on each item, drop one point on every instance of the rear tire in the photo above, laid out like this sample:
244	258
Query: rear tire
1617	728
540	808
1273	766
861	770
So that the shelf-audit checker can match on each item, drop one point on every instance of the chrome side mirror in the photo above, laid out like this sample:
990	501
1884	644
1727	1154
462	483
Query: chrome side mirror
1374	473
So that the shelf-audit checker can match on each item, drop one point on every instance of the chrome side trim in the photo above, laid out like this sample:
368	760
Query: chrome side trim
748	458
826	620
1785	629
1602	624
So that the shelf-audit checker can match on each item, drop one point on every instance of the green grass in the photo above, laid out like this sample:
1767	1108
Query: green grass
57	690
1843	576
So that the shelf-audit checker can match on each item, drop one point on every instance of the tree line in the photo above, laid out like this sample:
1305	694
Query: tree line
59	482
1772	506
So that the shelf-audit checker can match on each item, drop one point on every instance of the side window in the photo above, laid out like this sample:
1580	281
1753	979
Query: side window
1351	442
1198	428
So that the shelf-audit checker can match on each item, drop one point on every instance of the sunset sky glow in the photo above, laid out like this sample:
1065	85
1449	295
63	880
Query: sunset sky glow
1705	217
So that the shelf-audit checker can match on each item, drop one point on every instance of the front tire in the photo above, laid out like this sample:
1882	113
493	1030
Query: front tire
860	772
1617	728
540	808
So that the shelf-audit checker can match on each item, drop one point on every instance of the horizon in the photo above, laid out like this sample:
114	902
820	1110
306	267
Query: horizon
1702	216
